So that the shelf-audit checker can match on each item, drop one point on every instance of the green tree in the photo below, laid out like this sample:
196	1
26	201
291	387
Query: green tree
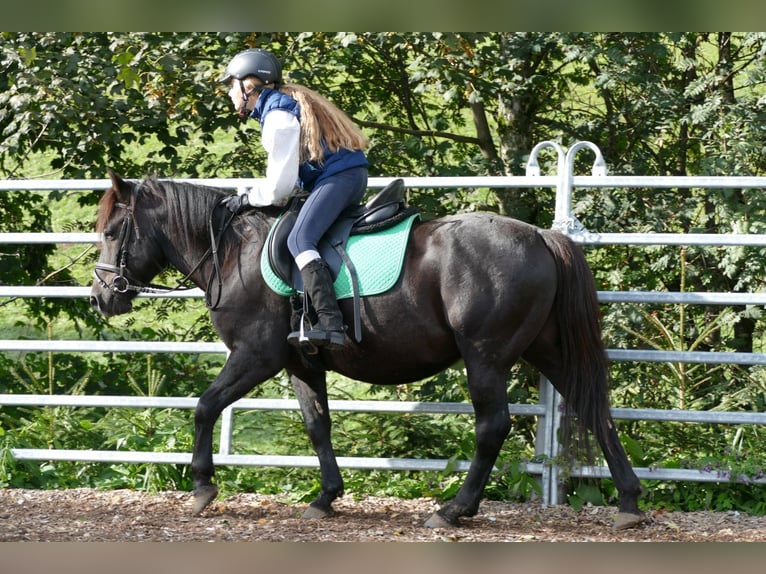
437	104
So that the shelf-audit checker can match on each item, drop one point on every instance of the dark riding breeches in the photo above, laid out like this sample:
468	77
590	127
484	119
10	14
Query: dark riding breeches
324	205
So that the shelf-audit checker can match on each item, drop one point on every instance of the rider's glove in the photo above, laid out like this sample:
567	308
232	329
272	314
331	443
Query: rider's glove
236	203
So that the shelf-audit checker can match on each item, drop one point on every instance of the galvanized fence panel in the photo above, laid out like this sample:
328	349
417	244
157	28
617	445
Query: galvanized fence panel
224	455
547	411
566	222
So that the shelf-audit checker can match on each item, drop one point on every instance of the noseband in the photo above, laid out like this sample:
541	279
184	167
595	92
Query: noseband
120	282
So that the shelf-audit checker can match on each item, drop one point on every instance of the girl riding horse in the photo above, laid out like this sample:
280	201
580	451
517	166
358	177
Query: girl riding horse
314	145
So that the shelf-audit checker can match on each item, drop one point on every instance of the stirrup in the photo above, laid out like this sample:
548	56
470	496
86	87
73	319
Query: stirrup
313	338
330	340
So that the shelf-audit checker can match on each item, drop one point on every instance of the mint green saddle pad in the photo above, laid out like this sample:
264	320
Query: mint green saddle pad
378	259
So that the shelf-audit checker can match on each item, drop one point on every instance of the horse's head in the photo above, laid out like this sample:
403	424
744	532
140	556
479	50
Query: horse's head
130	259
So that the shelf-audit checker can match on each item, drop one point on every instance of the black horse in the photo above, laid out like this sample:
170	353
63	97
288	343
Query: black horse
478	287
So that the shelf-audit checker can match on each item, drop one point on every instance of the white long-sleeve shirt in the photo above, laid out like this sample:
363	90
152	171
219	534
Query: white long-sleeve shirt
280	136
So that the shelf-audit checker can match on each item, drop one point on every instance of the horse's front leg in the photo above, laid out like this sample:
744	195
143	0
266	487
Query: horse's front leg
235	379
311	391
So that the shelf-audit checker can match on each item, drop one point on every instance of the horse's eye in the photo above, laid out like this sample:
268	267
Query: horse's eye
110	233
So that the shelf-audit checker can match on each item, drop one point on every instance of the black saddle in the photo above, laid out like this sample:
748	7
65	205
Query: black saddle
384	210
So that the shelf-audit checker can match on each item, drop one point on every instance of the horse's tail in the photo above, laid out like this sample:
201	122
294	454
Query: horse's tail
585	365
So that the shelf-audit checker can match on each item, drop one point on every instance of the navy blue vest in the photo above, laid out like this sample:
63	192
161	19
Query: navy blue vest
310	173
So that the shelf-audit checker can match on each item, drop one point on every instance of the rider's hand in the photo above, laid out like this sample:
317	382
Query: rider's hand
236	203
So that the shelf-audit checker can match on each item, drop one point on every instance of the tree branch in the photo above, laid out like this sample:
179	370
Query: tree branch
423	133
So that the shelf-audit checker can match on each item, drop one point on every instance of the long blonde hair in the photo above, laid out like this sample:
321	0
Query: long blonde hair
322	122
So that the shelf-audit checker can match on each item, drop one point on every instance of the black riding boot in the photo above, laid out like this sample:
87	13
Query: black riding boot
329	332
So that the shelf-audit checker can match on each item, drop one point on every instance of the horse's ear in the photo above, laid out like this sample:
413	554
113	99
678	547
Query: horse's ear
118	185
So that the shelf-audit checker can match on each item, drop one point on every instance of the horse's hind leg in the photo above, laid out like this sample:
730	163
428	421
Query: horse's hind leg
487	387
546	357
624	477
311	391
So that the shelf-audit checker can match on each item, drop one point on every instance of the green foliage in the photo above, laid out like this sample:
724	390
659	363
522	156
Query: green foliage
735	491
585	493
72	104
87	98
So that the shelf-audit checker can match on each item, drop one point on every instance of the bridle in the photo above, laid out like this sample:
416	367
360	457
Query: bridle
121	282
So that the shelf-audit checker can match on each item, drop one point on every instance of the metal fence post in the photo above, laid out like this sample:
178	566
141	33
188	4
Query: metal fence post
547	443
544	437
227	424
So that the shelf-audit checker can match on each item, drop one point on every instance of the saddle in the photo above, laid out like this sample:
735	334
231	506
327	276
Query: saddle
386	209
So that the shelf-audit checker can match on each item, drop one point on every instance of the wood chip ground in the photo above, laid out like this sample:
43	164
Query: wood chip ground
122	515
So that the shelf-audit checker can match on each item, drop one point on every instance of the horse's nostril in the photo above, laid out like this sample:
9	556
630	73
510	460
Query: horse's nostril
94	302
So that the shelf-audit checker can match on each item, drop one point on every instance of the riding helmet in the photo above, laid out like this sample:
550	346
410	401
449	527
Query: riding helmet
254	62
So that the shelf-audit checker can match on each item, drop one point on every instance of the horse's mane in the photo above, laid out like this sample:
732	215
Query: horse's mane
188	205
185	201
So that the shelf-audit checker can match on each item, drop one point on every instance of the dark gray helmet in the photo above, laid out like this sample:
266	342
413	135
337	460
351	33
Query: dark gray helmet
254	62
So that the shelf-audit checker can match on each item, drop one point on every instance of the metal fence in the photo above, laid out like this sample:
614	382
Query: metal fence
565	182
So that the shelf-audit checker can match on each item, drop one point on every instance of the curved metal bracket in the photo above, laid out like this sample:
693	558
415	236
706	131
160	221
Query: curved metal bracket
564	220
533	168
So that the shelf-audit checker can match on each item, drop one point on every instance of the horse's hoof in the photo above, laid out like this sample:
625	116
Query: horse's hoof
625	520
438	521
315	512
203	496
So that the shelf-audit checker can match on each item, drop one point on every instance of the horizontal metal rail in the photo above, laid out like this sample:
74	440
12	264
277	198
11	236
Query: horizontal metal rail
356	463
687	297
357	406
363	463
26	291
115	401
82	346
670	474
49	238
704	357
672	181
564	182
676	297
712	239
547	181
233	183
585	238
377	463
106	401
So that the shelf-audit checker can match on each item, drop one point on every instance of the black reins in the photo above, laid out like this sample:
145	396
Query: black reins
122	283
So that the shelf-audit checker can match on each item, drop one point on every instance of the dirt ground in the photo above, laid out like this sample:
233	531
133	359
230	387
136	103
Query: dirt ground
80	515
